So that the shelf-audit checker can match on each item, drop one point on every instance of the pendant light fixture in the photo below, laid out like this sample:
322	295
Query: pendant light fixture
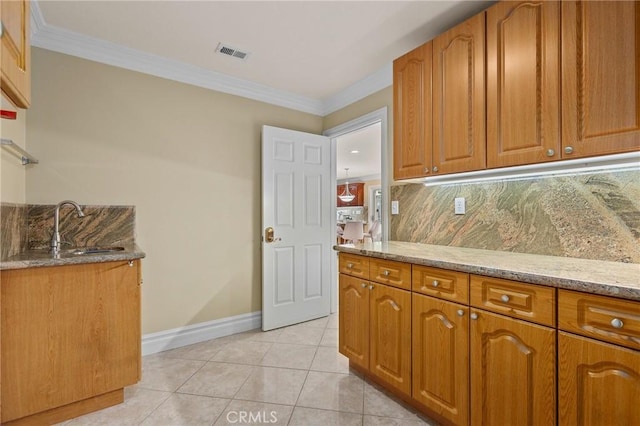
346	196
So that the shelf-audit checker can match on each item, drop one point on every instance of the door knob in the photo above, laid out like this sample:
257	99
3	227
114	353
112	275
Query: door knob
269	235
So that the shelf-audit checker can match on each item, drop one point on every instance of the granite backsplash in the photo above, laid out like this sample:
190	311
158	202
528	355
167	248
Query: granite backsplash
590	216
30	227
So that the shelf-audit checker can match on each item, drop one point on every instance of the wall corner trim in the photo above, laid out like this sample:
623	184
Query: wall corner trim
182	336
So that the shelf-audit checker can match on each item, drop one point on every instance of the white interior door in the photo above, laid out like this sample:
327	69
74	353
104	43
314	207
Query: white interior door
296	203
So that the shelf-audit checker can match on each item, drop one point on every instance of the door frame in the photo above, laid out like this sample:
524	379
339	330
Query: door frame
377	116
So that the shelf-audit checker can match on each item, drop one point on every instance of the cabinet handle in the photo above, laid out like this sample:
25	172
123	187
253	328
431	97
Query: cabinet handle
131	263
426	170
349	265
474	316
385	273
363	285
371	287
460	312
435	283
435	169
505	298
550	153
616	323
394	305
568	150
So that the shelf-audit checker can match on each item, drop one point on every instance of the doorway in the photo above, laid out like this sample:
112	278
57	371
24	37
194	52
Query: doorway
374	121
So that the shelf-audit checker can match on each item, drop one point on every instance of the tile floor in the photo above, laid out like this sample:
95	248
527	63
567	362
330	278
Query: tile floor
290	376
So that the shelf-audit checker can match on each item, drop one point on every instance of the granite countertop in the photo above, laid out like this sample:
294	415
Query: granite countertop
593	276
42	258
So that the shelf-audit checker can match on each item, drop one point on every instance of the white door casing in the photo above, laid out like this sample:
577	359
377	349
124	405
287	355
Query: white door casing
296	203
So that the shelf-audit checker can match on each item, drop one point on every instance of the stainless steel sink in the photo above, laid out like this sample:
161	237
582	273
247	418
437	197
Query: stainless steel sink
95	250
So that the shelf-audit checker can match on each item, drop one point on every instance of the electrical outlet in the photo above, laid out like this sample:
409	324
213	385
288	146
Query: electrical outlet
459	205
395	208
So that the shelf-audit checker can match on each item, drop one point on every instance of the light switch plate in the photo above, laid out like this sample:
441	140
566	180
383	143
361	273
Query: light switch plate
459	205
395	208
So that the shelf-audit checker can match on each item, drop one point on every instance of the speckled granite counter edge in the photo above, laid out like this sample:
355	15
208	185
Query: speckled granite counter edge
562	278
39	258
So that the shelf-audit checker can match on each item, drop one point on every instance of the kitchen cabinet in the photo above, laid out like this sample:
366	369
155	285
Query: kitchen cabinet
523	83
353	320
15	54
513	371
373	323
440	356
412	113
71	339
356	189
488	350
459	127
599	371
599	383
600	77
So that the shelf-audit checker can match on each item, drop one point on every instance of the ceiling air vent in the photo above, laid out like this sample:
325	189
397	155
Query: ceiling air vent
225	49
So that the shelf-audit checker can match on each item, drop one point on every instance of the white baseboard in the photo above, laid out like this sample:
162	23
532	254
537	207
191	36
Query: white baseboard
196	333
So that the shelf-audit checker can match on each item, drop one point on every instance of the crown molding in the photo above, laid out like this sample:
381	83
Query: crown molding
379	80
71	43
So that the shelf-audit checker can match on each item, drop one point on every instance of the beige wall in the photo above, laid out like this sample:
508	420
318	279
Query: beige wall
188	159
382	98
12	172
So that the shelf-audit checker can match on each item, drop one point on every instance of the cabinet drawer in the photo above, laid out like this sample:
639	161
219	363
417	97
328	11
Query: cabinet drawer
354	265
440	283
515	299
605	318
397	274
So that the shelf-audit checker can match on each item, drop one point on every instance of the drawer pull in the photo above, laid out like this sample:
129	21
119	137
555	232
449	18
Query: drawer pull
474	316
435	283
363	285
370	287
616	323
460	313
505	298
349	265
386	273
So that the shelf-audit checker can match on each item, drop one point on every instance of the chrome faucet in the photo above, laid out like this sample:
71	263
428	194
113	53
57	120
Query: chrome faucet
55	240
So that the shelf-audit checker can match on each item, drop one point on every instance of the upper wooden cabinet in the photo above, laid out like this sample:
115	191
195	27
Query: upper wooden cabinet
356	189
412	113
459	136
15	77
600	77
523	83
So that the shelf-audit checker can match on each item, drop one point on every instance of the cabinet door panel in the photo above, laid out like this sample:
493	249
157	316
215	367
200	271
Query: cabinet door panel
390	334
412	113
16	52
68	333
523	83
440	357
599	383
354	320
459	98
600	77
513	371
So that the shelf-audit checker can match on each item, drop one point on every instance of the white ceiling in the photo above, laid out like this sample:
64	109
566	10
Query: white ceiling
314	56
313	52
365	163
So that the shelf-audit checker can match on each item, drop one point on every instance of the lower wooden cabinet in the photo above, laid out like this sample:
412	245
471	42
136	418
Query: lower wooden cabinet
599	383
390	336
353	320
513	371
69	333
374	330
440	341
